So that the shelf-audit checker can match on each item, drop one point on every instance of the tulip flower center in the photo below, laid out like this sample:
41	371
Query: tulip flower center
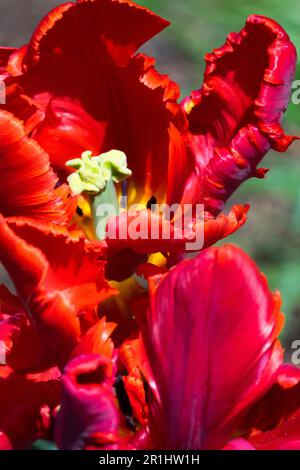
96	176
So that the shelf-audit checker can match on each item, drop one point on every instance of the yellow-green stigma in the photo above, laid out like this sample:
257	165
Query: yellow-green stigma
94	172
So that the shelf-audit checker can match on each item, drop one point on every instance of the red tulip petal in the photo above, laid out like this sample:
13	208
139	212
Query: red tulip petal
88	404
27	182
24	347
97	340
131	99
53	288
136	393
211	343
236	116
70	29
167	238
67	128
14	64
286	436
81	111
19	104
21	397
85	113
9	303
5	53
224	225
150	110
130	359
282	401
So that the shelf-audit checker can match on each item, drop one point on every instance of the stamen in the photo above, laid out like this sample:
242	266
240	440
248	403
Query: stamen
152	202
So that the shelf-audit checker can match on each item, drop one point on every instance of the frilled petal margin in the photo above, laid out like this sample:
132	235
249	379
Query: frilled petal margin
88	415
147	232
58	277
235	118
27	182
215	312
121	25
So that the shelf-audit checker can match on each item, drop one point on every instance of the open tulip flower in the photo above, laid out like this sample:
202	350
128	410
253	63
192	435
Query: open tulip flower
80	86
119	342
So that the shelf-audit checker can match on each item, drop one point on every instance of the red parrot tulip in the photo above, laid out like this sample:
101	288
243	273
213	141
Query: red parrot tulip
178	354
79	85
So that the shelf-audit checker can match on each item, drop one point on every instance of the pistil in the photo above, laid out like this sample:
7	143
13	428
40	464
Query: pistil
96	176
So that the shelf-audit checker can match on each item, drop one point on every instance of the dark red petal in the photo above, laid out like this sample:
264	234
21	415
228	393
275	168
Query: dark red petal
53	288
24	347
236	116
5	53
27	182
122	265
82	42
278	404
286	436
88	404
21	398
148	129
211	343
68	127
9	303
77	30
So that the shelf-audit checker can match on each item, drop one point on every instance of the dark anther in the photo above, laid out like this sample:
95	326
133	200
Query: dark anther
130	421
152	201
79	211
147	390
122	396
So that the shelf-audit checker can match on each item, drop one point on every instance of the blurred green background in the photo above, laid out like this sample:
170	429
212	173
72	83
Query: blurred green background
272	234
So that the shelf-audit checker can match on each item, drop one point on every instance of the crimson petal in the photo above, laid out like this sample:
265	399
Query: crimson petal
57	276
71	28
211	343
167	238
236	116
278	405
27	182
